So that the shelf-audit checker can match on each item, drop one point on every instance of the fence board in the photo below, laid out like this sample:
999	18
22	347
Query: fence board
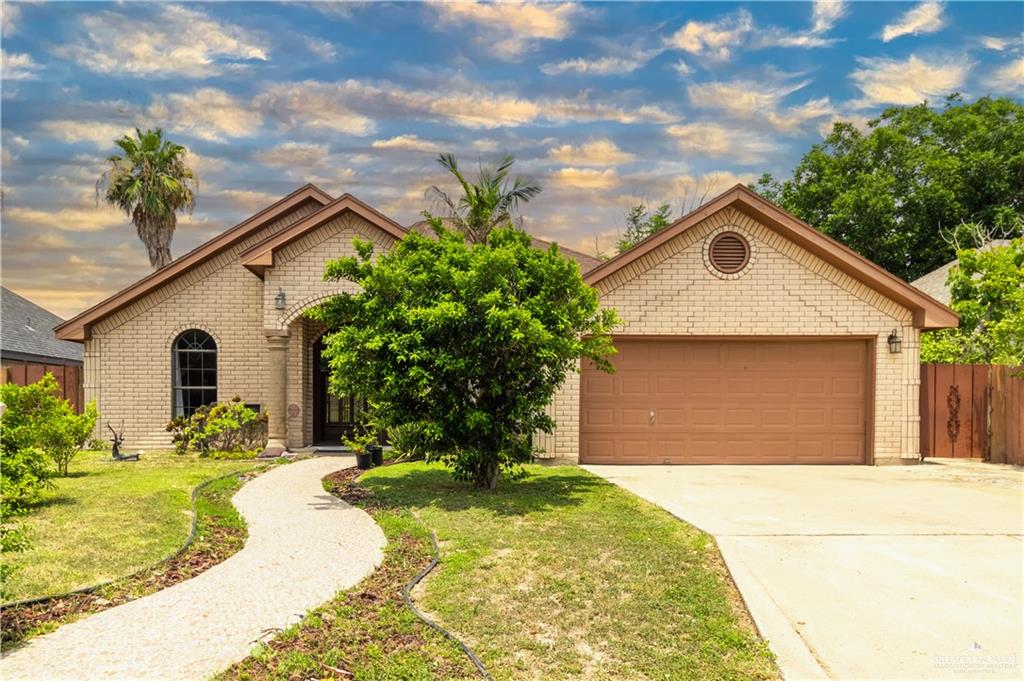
954	410
1007	415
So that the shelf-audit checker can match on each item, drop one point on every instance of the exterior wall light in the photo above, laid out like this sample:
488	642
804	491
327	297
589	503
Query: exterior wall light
895	342
279	303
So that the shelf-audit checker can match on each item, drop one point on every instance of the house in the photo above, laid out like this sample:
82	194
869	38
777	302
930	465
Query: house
934	283
29	349
748	337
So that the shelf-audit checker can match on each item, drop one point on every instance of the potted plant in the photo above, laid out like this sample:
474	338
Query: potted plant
359	443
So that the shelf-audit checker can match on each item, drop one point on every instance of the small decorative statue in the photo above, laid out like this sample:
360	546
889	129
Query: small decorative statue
115	447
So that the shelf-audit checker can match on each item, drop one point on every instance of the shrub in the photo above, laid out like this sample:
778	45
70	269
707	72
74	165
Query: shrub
223	428
37	417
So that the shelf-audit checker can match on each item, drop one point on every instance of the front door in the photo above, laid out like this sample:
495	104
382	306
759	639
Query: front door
333	416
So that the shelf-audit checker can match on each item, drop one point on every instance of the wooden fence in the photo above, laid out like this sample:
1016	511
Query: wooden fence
68	377
972	411
1006	415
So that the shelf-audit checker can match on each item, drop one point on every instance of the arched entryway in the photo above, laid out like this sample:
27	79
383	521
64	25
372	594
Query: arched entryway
333	417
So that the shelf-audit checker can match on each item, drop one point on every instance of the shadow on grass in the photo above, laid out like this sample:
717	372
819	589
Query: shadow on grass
406	485
55	500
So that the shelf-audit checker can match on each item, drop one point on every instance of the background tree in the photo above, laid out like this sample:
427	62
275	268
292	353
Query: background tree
891	192
987	289
641	222
489	202
150	182
466	343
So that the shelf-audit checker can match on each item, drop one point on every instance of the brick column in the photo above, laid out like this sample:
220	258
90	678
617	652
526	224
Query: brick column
277	392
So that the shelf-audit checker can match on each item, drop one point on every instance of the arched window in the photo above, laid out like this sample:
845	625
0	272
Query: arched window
193	371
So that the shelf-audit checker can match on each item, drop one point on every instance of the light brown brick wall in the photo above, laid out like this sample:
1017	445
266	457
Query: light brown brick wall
784	291
128	358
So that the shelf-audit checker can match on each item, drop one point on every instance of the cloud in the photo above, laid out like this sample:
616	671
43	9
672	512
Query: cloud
1009	78
907	82
715	40
990	42
925	18
246	199
314	104
408	143
206	113
10	12
742	145
585	178
175	41
826	13
602	66
759	101
321	48
601	152
347	106
68	219
291	154
509	29
17	66
96	132
682	68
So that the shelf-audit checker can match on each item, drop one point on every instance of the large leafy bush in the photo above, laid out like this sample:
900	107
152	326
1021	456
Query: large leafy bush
468	342
987	290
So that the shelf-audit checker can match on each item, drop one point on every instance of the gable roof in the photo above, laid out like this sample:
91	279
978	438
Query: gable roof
928	312
934	283
586	262
27	331
78	327
261	256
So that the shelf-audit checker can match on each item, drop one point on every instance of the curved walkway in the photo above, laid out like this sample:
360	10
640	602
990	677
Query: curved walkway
304	545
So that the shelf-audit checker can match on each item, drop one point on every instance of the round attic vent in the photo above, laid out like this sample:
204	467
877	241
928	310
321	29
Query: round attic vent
729	252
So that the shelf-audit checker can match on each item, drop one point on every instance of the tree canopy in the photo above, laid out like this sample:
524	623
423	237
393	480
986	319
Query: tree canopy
150	182
987	288
466	342
642	222
895	192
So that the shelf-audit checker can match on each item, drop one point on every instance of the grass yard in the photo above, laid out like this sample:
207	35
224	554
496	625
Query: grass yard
108	520
560	575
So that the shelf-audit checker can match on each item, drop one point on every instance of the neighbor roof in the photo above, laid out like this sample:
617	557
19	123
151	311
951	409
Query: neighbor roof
26	331
586	262
928	312
934	283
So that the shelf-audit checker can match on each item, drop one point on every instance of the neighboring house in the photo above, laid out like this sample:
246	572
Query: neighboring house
935	282
748	337
29	348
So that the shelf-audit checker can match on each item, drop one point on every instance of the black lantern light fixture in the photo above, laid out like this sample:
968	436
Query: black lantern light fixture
279	299
895	342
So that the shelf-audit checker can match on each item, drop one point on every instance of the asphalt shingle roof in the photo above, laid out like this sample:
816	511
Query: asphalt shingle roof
934	283
27	328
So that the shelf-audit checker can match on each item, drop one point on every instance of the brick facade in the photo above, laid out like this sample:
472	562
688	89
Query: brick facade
784	290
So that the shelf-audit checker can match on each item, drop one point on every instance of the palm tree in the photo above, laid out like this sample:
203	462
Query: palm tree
489	202
150	182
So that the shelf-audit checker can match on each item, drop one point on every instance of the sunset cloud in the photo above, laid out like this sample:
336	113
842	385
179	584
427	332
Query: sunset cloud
928	17
908	81
508	29
600	152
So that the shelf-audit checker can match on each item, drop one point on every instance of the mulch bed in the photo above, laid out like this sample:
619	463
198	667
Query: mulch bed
212	544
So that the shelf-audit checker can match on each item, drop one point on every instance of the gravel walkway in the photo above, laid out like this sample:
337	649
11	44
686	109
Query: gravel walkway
304	545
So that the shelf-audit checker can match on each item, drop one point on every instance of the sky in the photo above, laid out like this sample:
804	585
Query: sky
602	104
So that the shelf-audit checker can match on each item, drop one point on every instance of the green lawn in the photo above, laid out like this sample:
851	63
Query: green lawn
109	519
561	575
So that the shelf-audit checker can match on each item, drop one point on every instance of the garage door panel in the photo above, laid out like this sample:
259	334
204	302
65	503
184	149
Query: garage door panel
728	401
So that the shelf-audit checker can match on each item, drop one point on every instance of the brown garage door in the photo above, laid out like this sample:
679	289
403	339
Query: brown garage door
733	401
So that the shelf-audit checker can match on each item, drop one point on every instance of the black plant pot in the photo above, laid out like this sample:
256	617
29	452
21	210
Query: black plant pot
363	461
377	454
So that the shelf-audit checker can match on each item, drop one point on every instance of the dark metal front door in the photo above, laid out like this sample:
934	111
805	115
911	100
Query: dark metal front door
333	416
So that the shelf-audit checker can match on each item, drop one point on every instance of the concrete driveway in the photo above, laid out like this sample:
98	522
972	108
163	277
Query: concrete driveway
859	572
